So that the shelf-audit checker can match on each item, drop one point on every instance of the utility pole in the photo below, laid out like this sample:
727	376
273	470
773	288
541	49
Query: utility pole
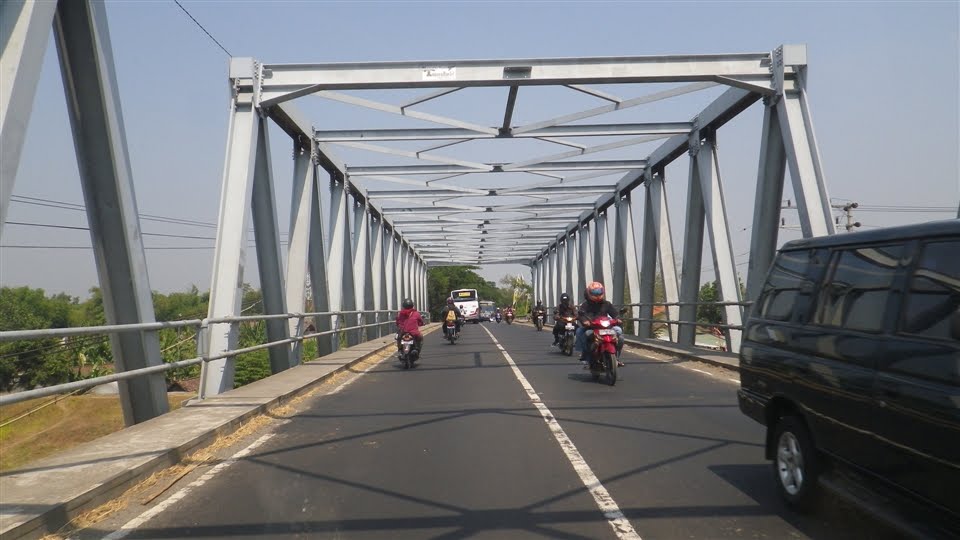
848	210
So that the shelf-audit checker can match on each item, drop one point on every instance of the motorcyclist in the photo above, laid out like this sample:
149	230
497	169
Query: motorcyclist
410	321
565	309
539	309
452	312
508	312
593	306
498	315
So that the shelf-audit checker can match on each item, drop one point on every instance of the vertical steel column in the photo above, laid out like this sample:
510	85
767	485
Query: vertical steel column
298	248
319	284
551	283
692	248
796	125
722	247
390	269
633	268
571	245
561	264
585	271
617	286
648	263
766	207
407	263
362	278
266	233
668	265
93	104
378	233
24	33
602	270
226	290
340	258
535	279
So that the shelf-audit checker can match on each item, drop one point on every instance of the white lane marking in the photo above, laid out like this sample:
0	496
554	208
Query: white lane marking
616	519
132	525
737	381
734	380
701	371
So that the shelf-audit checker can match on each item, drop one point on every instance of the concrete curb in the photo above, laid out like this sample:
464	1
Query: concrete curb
45	495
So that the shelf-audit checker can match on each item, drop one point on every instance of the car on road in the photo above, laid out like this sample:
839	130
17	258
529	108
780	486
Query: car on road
851	359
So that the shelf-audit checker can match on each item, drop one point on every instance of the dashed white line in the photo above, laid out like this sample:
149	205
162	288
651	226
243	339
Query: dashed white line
621	526
132	525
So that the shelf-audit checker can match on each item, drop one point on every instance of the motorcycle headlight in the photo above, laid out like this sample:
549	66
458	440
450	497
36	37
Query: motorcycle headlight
605	323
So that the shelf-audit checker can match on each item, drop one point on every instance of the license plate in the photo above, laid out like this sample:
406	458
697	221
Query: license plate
407	342
607	332
568	327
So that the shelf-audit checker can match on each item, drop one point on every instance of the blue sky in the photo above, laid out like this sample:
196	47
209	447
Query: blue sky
883	87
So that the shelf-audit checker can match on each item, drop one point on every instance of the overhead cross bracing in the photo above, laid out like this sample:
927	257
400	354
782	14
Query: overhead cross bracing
425	170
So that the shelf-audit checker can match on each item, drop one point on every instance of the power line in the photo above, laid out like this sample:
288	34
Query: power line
68	227
202	28
34	246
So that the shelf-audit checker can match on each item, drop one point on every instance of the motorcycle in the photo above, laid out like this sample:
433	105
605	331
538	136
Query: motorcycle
569	334
450	331
509	317
604	349
497	317
538	321
408	350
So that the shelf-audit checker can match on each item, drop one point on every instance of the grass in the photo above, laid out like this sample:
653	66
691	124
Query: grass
67	423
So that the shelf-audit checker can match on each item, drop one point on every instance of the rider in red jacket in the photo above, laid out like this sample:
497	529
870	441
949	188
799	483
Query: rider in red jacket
409	320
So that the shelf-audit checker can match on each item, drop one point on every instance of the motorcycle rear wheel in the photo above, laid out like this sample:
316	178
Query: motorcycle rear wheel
610	366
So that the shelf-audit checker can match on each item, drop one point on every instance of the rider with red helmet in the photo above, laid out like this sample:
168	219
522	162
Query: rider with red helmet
594	305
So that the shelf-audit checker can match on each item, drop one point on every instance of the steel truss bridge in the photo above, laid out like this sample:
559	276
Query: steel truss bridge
410	202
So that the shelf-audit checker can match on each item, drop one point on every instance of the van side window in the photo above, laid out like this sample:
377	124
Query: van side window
783	285
855	296
933	296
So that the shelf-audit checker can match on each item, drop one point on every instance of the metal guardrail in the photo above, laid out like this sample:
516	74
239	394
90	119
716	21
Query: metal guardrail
199	324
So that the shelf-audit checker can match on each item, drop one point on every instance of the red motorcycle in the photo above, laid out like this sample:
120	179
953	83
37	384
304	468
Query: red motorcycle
604	349
509	316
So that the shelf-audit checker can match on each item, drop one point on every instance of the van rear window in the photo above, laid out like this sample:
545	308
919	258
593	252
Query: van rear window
933	297
856	294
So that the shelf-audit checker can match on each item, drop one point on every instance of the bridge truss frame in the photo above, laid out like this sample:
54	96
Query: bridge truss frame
368	258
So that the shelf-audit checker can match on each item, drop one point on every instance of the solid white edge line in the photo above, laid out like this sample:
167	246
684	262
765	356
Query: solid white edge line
701	371
620	524
131	526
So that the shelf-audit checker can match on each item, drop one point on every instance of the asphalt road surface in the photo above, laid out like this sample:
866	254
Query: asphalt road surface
476	443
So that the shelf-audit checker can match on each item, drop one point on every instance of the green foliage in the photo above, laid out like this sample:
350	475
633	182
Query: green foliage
252	366
519	294
28	364
710	292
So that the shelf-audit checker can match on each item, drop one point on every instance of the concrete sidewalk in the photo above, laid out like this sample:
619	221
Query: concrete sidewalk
46	494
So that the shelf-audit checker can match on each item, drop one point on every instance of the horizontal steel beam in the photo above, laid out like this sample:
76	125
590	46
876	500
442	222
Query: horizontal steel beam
441	134
492	192
282	82
622	164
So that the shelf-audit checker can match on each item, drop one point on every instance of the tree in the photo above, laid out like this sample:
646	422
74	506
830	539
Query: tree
31	363
443	279
519	293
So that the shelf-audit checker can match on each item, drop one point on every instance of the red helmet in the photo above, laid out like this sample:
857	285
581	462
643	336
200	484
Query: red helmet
595	292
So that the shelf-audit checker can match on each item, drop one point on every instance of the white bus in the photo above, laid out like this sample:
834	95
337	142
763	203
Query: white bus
468	302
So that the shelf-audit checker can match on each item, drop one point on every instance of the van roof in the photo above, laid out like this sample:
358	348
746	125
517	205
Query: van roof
949	227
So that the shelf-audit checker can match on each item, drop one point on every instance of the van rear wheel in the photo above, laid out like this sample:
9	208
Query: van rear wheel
795	466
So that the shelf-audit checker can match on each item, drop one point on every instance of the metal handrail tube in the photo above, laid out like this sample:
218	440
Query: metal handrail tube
96	381
14	335
687	323
689	304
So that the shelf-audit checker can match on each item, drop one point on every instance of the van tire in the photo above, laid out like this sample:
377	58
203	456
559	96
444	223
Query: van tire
795	466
